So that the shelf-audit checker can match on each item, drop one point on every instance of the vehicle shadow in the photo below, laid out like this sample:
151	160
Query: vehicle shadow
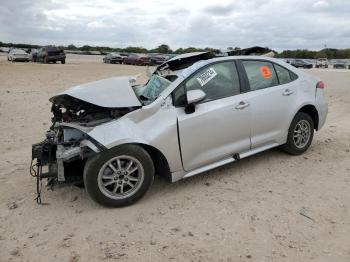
234	169
162	187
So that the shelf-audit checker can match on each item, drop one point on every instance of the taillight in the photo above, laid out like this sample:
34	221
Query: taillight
320	85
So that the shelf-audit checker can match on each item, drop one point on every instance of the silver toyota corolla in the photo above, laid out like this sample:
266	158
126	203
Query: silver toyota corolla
195	113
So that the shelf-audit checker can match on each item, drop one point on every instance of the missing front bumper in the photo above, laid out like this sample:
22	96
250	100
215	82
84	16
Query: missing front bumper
59	164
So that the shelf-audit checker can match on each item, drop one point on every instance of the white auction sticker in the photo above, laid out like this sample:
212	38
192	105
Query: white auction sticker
206	76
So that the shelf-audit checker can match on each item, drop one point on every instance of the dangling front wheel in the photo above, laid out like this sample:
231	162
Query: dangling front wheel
120	176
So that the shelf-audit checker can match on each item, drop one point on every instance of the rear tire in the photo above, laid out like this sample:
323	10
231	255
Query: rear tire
300	134
119	176
63	61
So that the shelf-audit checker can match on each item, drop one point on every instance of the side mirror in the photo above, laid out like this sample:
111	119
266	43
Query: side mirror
193	97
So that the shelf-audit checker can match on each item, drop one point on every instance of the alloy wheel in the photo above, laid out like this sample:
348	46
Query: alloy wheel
120	177
301	134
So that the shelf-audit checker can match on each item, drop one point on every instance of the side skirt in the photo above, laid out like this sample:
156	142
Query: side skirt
175	176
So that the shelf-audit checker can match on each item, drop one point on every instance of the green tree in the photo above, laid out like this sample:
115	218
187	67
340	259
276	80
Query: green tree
72	47
163	49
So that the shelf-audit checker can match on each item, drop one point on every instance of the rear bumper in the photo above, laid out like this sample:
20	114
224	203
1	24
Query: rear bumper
145	63
56	58
339	66
322	108
116	60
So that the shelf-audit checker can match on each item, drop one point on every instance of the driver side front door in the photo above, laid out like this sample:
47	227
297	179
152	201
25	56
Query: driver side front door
219	126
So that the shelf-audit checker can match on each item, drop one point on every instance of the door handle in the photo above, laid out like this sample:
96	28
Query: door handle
288	92
242	105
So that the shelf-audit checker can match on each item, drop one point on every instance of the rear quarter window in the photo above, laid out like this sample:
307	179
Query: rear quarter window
283	74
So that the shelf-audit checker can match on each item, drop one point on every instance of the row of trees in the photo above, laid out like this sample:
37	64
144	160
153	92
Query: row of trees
162	49
165	49
324	53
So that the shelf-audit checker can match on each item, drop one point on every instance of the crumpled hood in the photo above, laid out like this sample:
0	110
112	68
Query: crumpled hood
114	92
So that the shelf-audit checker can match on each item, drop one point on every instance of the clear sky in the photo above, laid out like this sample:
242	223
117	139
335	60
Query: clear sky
278	24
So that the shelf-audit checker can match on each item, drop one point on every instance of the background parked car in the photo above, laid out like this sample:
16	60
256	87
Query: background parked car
135	59
113	58
322	62
4	49
33	54
18	55
301	63
157	59
340	64
51	54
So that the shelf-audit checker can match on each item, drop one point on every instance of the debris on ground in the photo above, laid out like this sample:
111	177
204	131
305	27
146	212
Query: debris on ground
12	205
16	252
303	211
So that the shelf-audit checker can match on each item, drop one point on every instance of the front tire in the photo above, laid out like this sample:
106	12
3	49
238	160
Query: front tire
300	134
119	176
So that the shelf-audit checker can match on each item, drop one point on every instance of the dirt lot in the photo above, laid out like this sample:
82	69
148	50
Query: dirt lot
245	211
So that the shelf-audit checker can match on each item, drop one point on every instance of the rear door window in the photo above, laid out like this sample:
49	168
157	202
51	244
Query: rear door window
261	74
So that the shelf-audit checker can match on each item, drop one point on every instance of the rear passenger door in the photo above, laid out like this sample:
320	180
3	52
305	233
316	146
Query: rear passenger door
273	99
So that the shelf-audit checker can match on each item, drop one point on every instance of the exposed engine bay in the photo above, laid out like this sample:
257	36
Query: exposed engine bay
69	109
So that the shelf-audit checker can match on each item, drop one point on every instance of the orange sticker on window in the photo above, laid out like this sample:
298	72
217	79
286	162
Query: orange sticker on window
265	72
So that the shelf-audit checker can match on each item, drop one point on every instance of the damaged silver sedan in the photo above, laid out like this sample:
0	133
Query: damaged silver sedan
195	113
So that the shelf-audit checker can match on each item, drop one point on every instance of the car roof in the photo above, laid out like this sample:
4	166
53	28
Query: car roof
18	50
191	69
183	74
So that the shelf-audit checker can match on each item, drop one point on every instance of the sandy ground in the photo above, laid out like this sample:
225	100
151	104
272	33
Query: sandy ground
246	211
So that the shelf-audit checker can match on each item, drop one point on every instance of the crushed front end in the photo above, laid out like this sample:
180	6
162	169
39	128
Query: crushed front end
60	157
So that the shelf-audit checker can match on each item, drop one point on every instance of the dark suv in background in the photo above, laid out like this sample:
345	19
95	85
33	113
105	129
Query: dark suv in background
51	54
301	63
113	58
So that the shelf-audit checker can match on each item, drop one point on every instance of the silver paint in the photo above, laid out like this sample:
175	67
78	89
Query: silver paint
216	131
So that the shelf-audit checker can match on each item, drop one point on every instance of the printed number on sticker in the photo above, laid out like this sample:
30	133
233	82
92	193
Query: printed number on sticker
206	76
265	72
